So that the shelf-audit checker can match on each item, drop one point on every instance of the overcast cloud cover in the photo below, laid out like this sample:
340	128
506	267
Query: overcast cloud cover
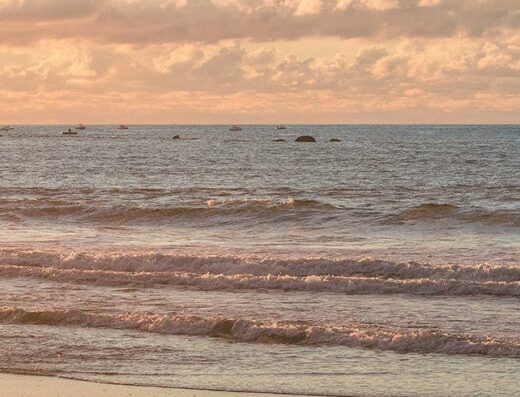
259	61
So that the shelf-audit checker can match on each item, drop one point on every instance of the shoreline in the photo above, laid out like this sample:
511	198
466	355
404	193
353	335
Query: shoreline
21	385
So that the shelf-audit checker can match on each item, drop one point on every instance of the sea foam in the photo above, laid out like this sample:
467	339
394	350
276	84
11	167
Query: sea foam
358	335
349	276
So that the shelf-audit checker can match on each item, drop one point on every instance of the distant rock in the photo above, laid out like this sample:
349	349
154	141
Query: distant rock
305	138
176	137
279	140
335	140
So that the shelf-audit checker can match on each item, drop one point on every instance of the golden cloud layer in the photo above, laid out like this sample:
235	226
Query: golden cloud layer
228	60
166	21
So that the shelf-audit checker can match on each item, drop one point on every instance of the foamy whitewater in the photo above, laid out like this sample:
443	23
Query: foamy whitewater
386	264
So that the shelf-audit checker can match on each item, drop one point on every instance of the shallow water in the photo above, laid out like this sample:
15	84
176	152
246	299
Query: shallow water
379	265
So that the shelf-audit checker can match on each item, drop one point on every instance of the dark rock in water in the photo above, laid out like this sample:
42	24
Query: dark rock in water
335	140
305	138
176	137
279	140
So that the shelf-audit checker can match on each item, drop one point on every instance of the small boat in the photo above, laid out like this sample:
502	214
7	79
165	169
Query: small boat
235	127
122	127
81	127
280	127
70	132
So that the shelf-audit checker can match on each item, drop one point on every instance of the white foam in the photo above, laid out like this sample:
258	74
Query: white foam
357	335
316	283
229	265
367	276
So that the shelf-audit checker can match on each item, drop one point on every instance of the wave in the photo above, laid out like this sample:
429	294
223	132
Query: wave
100	212
349	276
143	261
225	207
425	211
357	335
442	211
499	217
336	284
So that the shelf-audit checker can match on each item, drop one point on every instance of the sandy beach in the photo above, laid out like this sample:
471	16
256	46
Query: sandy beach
46	386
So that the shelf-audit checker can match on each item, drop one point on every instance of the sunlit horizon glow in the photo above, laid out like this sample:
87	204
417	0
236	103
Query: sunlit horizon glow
259	61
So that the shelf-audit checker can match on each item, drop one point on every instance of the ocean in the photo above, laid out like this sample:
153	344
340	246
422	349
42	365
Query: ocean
386	264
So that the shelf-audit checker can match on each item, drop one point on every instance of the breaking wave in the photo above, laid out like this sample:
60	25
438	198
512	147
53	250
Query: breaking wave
337	284
100	212
349	276
358	335
155	206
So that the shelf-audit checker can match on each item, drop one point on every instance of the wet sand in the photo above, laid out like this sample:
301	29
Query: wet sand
45	386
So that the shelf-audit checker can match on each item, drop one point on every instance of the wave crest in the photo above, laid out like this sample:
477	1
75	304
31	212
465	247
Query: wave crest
349	276
229	265
442	211
358	335
425	211
212	209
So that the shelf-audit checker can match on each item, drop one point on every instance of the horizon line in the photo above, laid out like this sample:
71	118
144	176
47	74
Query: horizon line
252	124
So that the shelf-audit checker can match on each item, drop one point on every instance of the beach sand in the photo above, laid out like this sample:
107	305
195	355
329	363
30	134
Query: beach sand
46	386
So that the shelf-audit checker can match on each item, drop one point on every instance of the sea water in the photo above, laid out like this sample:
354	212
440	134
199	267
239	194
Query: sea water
386	264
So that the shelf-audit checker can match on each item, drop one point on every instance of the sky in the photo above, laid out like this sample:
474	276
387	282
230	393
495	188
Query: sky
259	61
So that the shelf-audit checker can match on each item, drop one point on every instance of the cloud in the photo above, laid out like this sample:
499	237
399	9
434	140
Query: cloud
321	60
426	73
210	21
47	10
